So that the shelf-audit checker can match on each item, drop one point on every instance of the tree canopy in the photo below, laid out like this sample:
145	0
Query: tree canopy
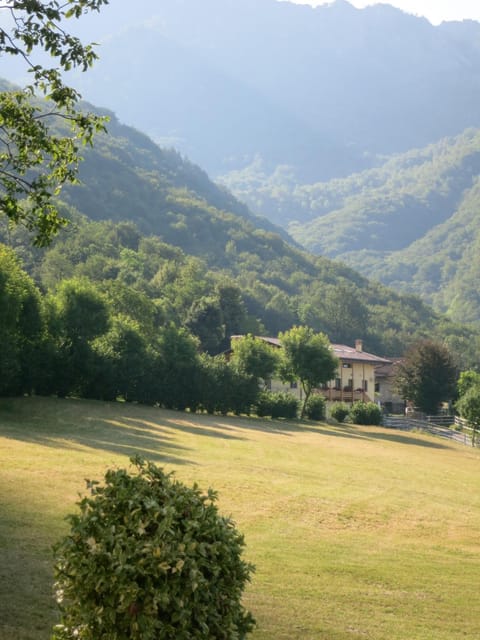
427	376
308	357
41	126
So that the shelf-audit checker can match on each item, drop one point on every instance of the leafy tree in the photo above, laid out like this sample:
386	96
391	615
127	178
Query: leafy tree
467	380
234	313
120	364
255	357
224	388
468	406
21	327
175	369
78	314
38	154
148	558
205	320
307	357
427	376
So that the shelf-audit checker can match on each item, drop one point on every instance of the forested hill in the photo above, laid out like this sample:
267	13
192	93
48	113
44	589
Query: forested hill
165	244
411	223
127	176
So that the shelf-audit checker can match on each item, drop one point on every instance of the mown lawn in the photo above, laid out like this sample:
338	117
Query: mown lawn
355	532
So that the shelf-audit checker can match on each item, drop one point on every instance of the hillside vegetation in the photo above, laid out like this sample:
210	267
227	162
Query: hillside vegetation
354	531
147	220
410	223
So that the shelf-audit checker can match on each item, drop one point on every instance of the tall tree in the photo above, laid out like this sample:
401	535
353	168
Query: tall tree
427	376
307	357
38	154
205	320
21	327
176	368
234	312
79	314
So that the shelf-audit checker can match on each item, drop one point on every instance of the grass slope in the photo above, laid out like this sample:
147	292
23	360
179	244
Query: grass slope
356	532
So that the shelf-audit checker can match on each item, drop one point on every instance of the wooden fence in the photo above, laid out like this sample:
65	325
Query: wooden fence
430	425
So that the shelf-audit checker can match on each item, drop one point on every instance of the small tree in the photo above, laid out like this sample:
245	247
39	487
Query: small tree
427	376
469	408
148	558
307	357
255	357
466	380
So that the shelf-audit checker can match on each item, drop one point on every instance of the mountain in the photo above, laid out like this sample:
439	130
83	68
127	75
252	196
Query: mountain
326	91
126	175
411	224
152	225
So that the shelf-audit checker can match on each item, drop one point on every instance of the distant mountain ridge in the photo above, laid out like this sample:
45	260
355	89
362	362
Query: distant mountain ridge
325	90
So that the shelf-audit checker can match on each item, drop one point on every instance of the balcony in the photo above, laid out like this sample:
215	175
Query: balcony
345	394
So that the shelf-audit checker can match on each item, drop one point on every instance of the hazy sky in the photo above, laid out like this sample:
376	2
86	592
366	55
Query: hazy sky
435	10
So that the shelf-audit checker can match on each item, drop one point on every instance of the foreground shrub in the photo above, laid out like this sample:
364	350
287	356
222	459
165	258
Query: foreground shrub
365	413
315	408
339	411
148	558
277	405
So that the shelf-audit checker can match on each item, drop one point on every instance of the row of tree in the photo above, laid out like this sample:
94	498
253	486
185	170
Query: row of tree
75	342
108	340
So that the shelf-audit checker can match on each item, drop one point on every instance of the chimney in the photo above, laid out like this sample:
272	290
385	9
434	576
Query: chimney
358	345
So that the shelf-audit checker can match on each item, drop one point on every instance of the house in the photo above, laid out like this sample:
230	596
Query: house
384	388
355	379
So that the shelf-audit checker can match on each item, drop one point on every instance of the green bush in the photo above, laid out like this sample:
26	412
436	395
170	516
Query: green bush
339	411
365	413
223	388
148	558
277	405
315	407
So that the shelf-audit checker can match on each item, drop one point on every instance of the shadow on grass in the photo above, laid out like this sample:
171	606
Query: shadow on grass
135	429
286	428
401	438
76	425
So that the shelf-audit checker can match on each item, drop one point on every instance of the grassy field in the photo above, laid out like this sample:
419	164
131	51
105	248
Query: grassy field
356	532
